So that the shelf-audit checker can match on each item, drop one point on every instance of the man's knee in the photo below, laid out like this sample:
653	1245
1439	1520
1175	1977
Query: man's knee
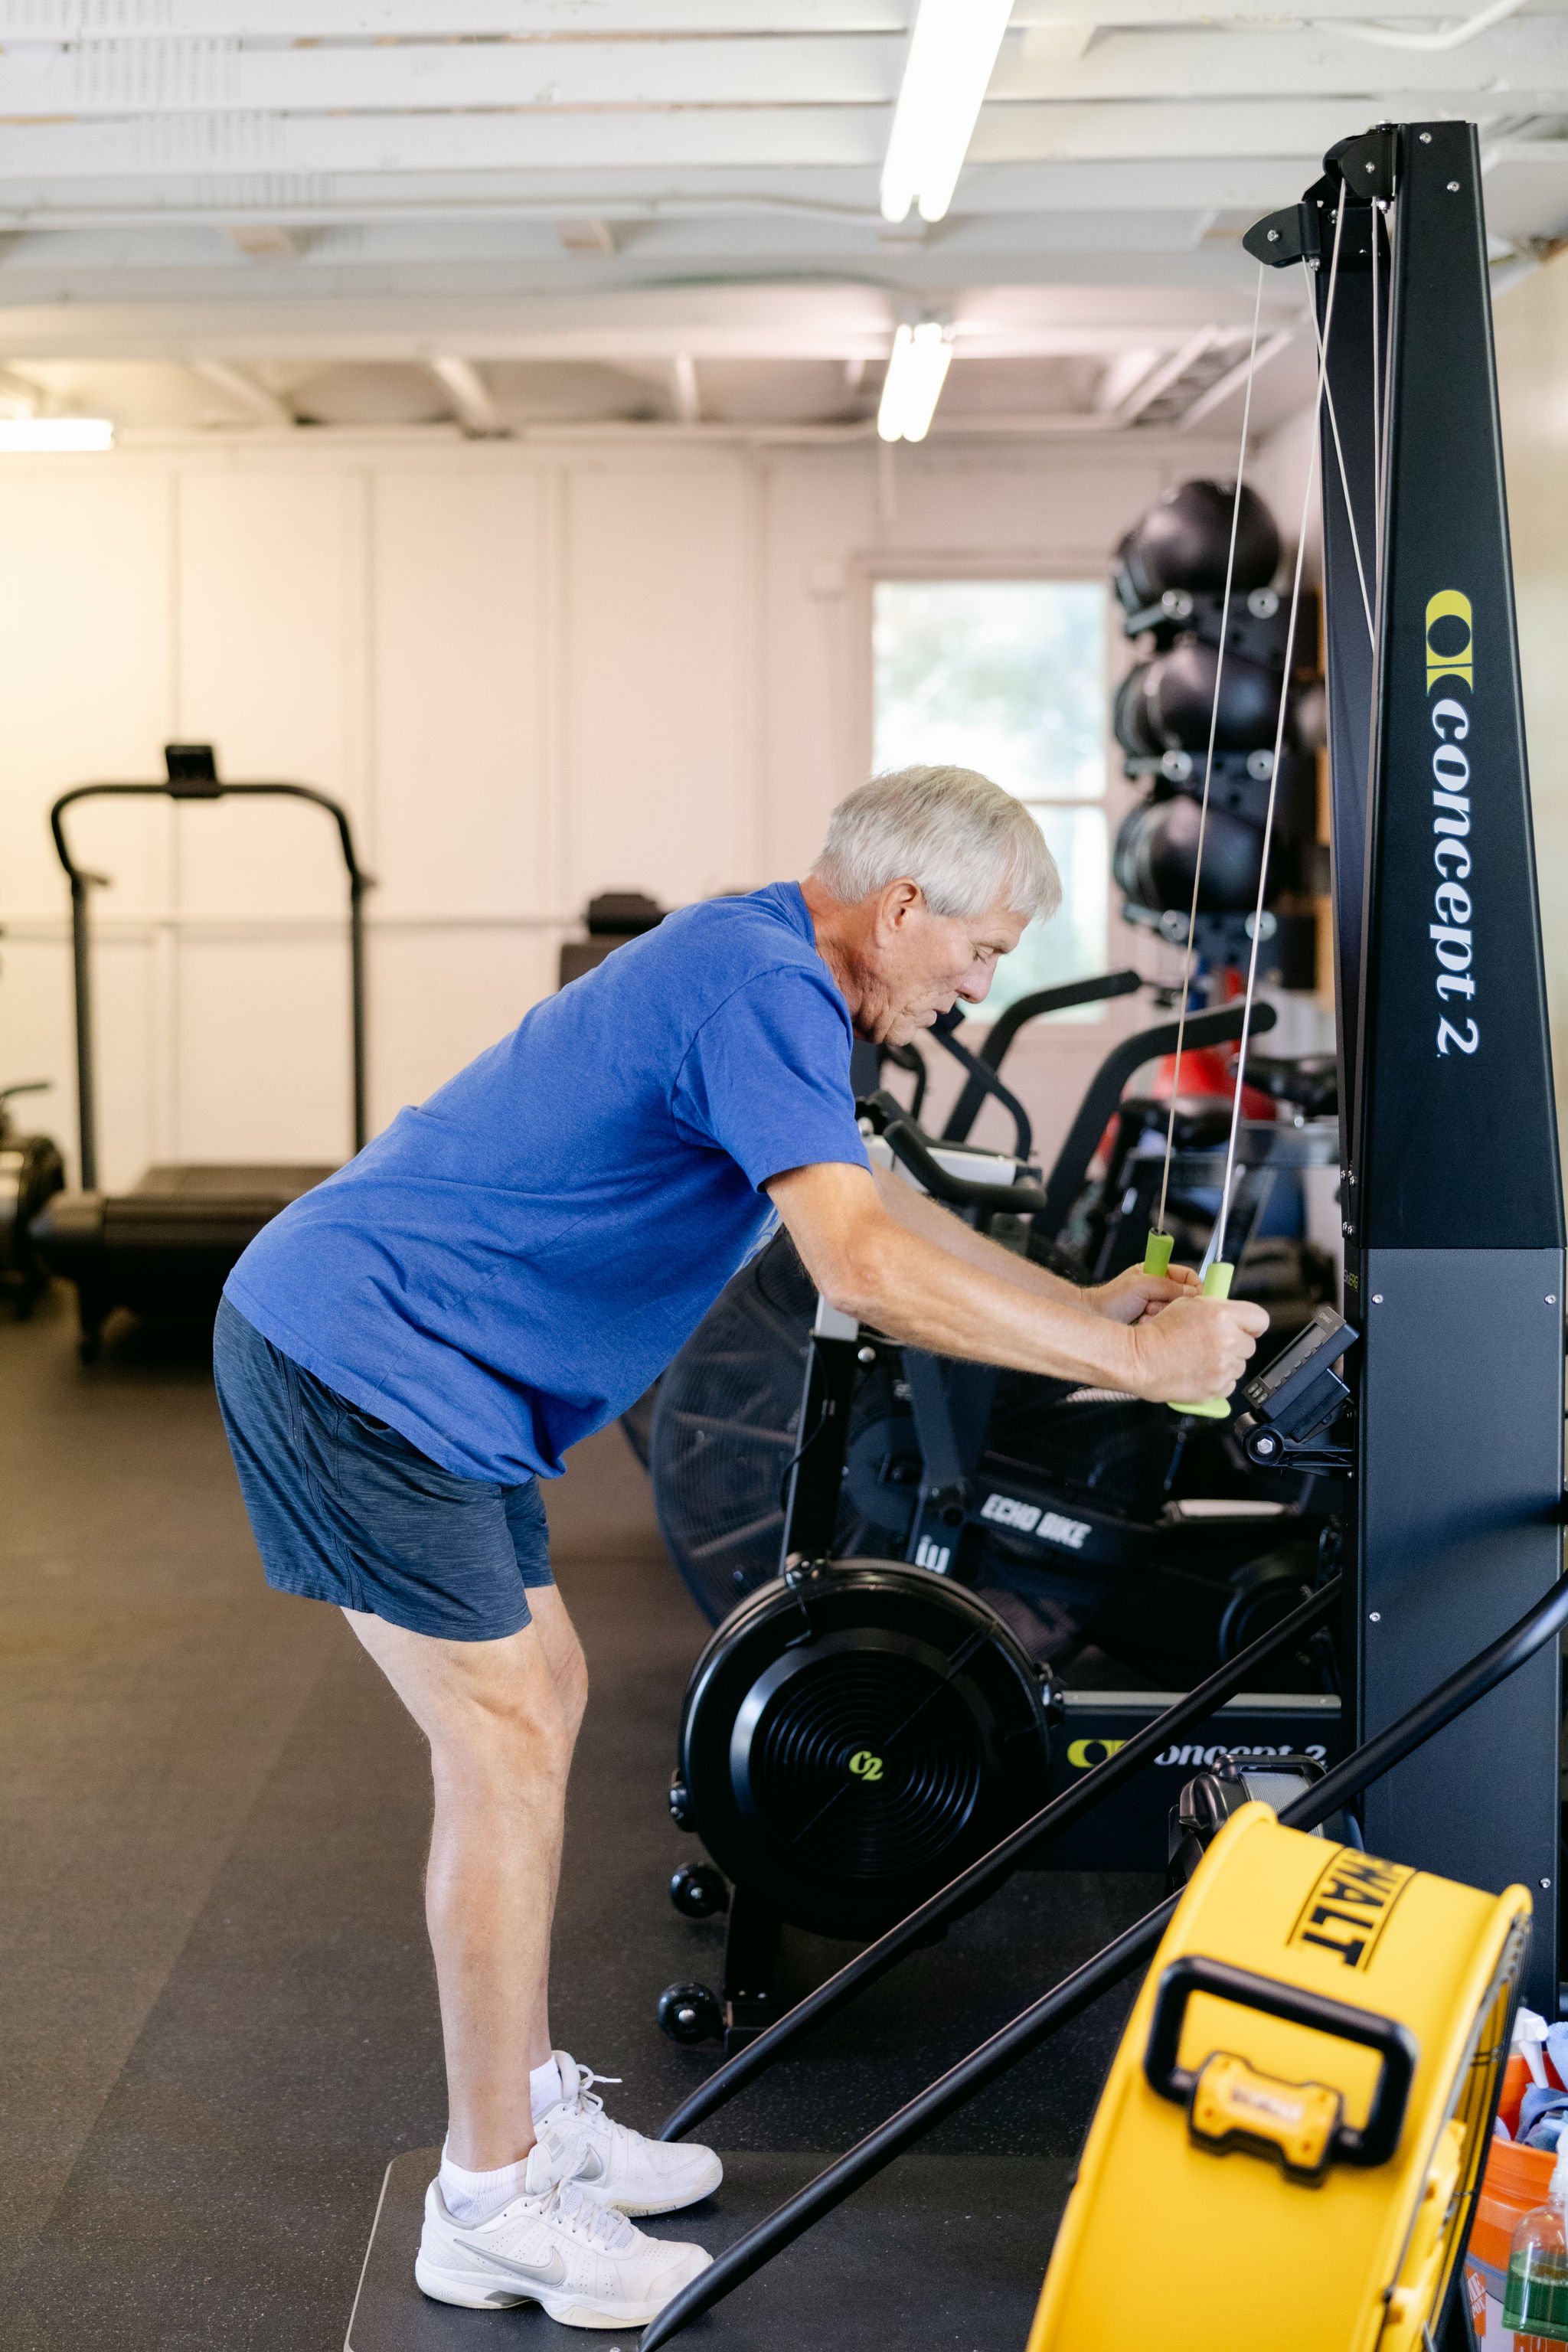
509	1741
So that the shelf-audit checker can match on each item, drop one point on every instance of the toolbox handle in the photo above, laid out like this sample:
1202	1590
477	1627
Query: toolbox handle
1378	2137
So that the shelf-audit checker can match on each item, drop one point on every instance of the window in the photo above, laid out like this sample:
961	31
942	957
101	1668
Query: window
1008	676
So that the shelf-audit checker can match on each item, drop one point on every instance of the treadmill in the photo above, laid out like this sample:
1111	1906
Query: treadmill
165	1247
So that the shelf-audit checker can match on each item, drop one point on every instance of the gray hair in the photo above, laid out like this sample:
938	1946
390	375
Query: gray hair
965	840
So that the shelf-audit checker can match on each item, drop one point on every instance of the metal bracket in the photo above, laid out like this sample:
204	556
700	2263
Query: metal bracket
1368	166
1281	238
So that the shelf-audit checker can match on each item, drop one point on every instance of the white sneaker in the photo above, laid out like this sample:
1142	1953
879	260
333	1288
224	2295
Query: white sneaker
584	2262
613	2165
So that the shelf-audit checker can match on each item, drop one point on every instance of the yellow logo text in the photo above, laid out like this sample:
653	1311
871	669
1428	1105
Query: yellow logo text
1082	1753
1452	654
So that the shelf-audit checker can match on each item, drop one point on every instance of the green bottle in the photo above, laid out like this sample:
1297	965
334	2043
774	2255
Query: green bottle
1535	2302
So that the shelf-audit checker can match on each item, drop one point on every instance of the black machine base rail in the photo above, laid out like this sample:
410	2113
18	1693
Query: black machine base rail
1129	1950
973	1885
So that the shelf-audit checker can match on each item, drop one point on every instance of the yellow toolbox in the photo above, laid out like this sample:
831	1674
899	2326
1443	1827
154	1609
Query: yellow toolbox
1288	2147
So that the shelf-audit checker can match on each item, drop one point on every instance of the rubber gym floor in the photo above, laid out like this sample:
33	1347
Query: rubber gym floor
219	2015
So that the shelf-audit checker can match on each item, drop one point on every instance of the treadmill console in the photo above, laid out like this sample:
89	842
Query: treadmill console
191	771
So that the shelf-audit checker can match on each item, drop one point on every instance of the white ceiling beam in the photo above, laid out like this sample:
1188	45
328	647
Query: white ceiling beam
1527	59
646	328
102	79
819	200
276	146
227	144
326	20
264	406
88	21
473	403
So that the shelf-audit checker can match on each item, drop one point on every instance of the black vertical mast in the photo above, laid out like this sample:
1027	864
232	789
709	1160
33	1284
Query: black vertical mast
1453	1201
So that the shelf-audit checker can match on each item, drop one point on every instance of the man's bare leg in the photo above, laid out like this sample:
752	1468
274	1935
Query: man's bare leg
501	1718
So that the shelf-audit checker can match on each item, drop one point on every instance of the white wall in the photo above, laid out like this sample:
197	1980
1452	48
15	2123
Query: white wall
1530	319
531	672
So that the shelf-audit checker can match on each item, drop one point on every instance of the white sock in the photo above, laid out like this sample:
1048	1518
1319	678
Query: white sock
545	2088
475	2196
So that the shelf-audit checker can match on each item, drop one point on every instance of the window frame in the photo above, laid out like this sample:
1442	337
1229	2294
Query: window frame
933	566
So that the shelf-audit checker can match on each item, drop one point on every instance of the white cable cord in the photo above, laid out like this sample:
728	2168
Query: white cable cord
1340	454
1382	398
1216	1246
1208	764
1377	208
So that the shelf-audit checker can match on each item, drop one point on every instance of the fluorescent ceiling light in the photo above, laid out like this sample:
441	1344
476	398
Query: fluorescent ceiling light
952	55
916	372
32	433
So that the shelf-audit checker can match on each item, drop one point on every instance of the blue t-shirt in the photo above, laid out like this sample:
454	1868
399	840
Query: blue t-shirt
508	1267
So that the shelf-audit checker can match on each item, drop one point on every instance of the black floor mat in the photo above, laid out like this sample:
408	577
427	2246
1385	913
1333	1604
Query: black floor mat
222	2183
944	2256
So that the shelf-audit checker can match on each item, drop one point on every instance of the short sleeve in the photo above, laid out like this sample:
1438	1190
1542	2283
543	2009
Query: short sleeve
766	1078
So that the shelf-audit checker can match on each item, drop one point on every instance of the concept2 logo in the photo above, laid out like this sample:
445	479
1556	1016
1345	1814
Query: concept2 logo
1451	665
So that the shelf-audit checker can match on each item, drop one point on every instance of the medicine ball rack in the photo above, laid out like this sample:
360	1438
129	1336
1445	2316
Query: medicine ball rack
1451	1189
1215	663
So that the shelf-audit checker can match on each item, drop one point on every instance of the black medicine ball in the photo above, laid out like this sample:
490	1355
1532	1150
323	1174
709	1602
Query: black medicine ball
1131	721
1183	540
1177	694
1156	849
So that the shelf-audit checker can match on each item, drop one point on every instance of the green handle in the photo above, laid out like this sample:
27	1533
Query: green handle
1157	1256
1216	1284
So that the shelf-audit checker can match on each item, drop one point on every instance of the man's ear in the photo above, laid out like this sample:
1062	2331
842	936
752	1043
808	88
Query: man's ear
899	901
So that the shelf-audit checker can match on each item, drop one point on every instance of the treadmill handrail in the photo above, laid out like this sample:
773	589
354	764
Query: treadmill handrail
81	881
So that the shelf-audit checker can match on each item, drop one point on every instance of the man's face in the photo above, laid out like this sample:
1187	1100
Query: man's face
918	965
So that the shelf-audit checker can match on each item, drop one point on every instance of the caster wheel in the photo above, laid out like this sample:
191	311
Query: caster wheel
698	1890
689	2012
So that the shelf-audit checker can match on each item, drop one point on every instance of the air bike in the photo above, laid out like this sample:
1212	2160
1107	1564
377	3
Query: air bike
972	1584
989	1579
1293	2130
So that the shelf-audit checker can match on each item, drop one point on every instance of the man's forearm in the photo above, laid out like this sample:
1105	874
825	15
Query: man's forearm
916	1289
920	1214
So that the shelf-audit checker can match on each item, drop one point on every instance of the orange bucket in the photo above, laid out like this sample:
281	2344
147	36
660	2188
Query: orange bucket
1516	2181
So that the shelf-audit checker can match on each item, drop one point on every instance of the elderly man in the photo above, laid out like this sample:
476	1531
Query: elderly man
407	1351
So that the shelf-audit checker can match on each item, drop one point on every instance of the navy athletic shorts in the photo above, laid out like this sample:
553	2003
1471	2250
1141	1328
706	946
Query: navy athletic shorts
344	1509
